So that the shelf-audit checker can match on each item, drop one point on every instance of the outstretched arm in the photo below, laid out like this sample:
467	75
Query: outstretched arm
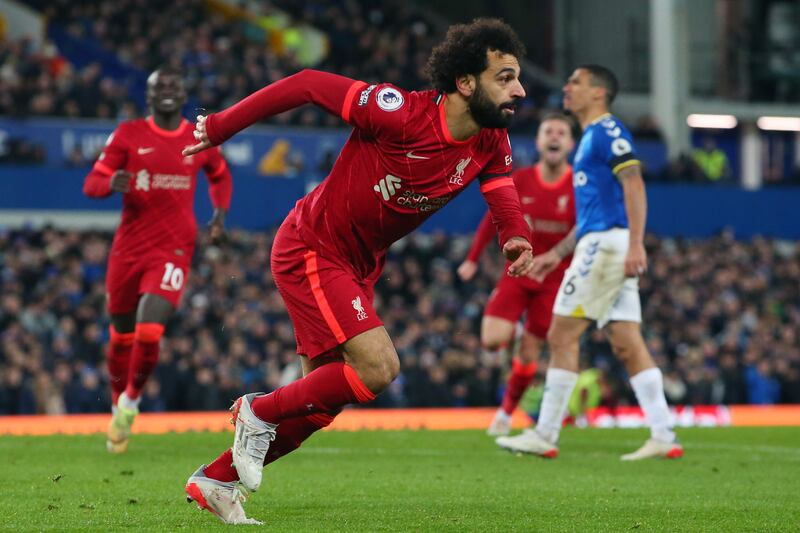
329	91
220	189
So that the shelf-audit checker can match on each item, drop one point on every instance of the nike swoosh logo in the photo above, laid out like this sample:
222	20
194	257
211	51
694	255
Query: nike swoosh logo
142	151
411	155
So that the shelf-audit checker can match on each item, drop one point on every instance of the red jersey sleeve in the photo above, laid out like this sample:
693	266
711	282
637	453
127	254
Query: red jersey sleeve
331	92
114	156
381	110
483	235
220	182
501	195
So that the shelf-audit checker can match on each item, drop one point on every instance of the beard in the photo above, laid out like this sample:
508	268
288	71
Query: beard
486	113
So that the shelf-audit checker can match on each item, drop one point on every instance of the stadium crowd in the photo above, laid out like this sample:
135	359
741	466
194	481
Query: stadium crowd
721	317
224	58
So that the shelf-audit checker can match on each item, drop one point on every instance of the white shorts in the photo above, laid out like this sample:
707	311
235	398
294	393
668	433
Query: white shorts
595	286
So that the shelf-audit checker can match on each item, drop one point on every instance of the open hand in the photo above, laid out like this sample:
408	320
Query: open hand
543	264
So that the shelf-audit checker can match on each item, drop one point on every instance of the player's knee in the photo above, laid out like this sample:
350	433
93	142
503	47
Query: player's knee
557	340
380	370
390	366
493	343
627	344
622	350
149	332
630	351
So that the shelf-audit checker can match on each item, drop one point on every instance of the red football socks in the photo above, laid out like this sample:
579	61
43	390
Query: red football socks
118	360
144	357
328	388
292	432
222	468
300	409
290	435
521	376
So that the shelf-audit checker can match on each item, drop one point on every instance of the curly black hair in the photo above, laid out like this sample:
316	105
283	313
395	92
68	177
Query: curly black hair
464	48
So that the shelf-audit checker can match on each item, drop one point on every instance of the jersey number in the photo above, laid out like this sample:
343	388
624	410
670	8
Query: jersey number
172	280
569	287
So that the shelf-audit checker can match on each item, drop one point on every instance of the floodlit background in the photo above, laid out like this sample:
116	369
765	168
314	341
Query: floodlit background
710	90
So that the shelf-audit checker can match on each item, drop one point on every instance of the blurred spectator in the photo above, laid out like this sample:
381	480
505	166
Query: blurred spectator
152	401
682	169
712	162
39	82
76	158
721	318
225	58
762	387
21	151
646	128
16	395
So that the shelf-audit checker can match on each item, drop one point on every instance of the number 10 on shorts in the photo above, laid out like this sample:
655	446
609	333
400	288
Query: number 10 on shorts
172	280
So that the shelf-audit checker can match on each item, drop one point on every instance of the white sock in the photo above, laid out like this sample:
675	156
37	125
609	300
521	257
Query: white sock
649	388
126	403
558	385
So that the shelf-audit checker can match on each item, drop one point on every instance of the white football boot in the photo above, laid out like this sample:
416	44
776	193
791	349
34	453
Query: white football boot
223	499
250	442
528	442
119	430
655	448
501	424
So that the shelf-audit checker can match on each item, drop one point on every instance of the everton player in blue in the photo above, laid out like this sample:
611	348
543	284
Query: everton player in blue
601	284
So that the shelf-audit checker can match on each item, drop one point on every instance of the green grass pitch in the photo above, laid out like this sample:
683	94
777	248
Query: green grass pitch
731	479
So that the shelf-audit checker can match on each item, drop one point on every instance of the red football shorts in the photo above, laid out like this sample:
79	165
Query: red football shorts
128	278
326	302
513	296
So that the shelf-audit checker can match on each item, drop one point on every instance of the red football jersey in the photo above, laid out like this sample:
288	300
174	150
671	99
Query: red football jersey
548	208
158	211
399	166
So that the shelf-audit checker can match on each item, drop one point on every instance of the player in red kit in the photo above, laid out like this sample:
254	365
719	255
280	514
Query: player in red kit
548	205
154	243
409	154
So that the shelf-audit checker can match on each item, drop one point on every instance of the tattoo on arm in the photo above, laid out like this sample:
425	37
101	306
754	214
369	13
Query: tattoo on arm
566	245
635	201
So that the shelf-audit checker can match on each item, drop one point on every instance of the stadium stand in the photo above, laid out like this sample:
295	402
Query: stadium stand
721	315
721	319
225	56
